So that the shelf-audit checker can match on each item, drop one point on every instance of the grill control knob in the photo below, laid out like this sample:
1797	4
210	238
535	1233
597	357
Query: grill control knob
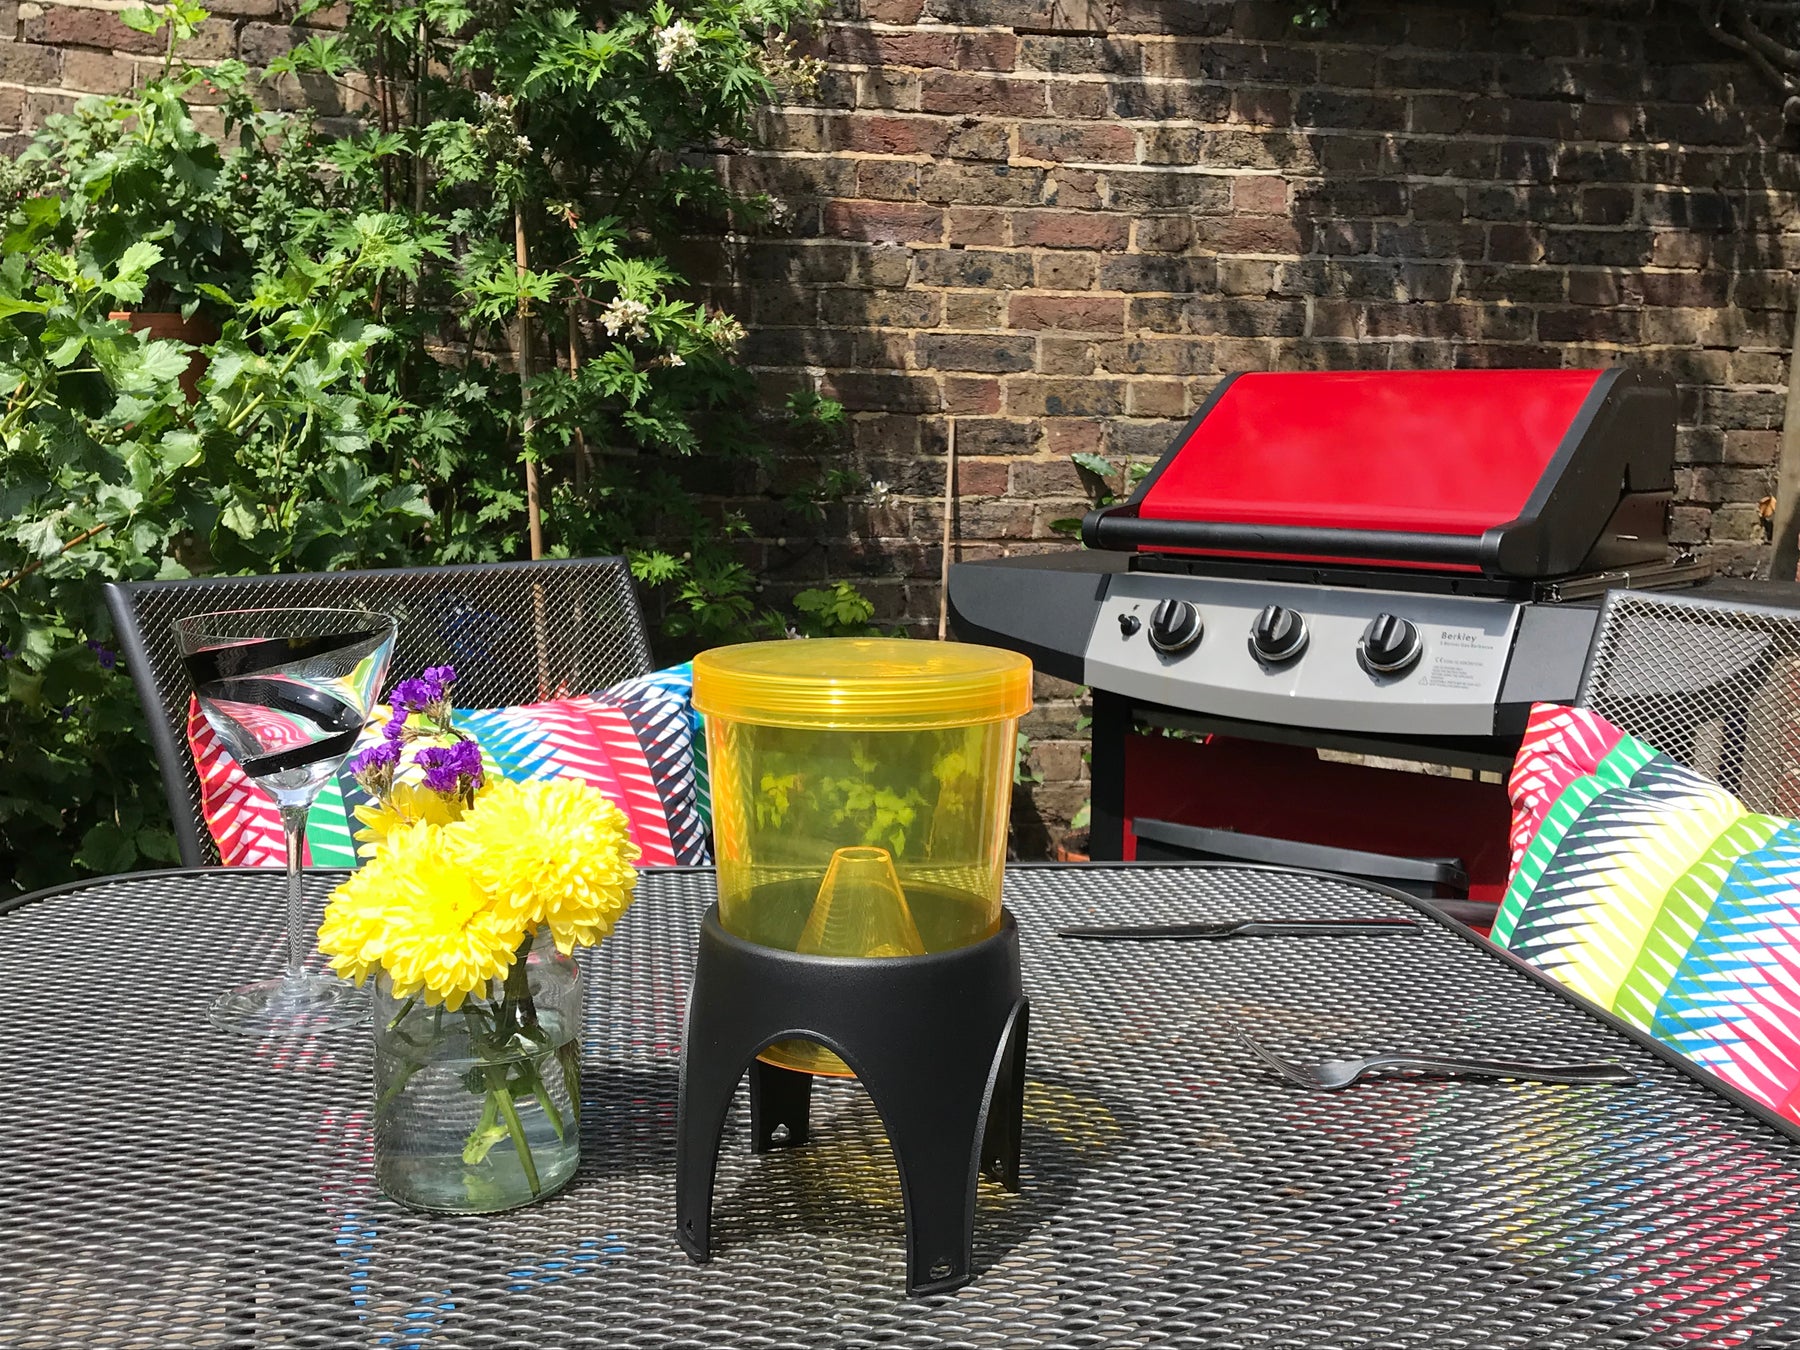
1279	634
1174	626
1128	625
1390	645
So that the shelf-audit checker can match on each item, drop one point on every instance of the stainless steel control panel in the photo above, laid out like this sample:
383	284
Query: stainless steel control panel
1352	660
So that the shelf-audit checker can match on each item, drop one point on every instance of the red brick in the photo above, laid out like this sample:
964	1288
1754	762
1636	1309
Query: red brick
968	396
1249	234
1259	196
67	26
944	92
886	222
978	225
1070	313
894	49
1070	229
1075	438
891	11
97	72
878	135
982	477
1078	142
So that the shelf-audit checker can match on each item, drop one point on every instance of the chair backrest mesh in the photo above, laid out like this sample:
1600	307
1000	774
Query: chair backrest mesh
1711	683
516	633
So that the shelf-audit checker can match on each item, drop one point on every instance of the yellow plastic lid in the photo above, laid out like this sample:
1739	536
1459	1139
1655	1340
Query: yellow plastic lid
873	684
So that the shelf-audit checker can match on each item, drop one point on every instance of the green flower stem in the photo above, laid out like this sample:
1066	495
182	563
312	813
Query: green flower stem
516	1128
405	1008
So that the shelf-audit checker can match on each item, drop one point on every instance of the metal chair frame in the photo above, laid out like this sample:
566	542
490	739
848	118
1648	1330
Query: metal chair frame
1712	683
516	632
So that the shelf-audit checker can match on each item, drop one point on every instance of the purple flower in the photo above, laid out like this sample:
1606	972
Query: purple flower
451	770
105	655
429	690
381	755
6	652
396	725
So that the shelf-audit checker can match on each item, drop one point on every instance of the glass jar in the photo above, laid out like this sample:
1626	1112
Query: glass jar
478	1109
860	793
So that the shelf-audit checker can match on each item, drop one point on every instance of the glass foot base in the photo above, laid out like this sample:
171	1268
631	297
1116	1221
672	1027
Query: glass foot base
296	1006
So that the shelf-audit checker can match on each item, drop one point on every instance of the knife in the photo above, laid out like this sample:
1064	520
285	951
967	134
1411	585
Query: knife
1231	928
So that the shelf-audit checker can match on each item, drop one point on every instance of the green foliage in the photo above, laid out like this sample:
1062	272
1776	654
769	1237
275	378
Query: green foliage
1311	16
390	331
1108	483
839	611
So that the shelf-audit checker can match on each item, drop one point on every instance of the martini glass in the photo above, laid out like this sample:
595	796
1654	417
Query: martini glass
288	691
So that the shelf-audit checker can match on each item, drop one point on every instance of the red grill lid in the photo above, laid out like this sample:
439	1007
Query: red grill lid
1440	452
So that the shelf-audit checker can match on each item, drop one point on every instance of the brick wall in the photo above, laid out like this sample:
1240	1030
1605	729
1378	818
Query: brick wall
1061	223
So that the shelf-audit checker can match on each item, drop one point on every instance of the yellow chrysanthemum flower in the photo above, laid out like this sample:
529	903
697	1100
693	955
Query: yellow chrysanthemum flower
406	804
554	853
418	913
356	924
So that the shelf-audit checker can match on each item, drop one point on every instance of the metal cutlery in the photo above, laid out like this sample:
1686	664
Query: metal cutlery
1333	1074
1234	928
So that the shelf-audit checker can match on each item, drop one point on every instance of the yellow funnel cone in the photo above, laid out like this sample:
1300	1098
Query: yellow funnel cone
860	909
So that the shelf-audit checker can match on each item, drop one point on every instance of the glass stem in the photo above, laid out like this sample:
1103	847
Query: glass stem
293	824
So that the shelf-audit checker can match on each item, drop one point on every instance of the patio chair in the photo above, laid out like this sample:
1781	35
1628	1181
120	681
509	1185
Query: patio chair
1641	887
1712	683
516	633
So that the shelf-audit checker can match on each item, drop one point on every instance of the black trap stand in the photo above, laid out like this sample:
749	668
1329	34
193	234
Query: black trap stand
937	1041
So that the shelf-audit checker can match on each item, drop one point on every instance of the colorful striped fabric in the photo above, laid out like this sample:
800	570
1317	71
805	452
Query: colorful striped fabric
638	742
1647	888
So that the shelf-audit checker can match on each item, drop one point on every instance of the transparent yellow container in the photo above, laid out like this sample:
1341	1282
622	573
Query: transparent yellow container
860	791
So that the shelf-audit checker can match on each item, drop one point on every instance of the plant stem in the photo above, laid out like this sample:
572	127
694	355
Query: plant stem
581	446
516	1128
36	563
405	1008
534	517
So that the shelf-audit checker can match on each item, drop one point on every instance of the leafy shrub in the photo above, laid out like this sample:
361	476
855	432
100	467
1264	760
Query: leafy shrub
454	335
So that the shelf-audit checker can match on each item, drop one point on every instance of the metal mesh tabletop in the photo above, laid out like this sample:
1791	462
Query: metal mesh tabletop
164	1185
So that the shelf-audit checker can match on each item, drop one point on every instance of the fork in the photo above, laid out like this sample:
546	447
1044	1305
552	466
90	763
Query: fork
1333	1074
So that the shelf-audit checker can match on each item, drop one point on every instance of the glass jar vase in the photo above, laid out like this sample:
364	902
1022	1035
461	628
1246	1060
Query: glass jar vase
478	1109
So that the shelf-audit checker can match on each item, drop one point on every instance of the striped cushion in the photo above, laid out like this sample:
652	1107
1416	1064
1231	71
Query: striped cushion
1644	886
638	742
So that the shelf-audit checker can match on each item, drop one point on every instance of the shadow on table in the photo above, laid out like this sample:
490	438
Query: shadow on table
628	1120
843	1188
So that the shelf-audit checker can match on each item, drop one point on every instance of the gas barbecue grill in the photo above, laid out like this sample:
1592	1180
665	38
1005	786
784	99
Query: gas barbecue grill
1388	564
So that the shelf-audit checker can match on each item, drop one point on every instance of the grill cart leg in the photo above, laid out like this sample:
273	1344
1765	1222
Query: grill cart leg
1106	771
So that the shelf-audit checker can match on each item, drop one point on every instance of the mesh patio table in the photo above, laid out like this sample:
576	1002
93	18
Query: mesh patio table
165	1185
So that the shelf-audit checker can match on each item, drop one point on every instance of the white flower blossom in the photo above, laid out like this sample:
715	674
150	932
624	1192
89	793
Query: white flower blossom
878	493
726	330
673	43
674	359
625	316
